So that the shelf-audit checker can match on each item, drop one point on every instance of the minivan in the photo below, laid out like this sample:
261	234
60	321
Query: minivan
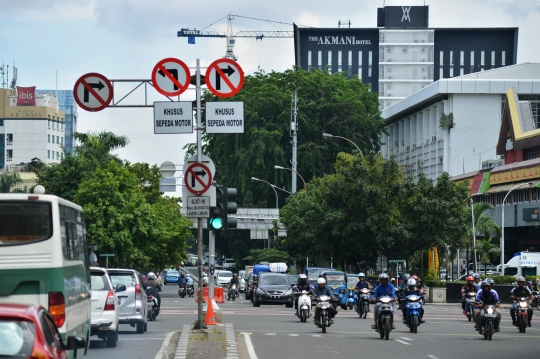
132	307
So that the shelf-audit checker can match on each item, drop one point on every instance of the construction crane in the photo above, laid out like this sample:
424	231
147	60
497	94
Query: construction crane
191	34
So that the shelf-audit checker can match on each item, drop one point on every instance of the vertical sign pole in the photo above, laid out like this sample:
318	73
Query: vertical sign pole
107	262
211	262
200	324
294	144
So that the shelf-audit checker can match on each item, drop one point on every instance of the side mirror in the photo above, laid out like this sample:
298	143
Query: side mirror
120	288
74	343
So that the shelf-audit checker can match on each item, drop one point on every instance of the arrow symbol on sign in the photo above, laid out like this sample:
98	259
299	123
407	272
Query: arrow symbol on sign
229	71
86	93
201	173
174	73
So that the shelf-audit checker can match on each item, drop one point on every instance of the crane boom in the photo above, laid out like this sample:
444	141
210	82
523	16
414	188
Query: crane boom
268	34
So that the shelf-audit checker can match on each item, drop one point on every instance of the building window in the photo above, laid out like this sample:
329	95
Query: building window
309	60
461	58
330	61
451	58
57	140
482	58
370	59
339	60
441	58
534	100
360	65
9	155
1	123
57	155
503	59
349	63
461	71
62	141
49	138
492	58
9	139
532	155
319	60
472	61
441	73
534	194
48	153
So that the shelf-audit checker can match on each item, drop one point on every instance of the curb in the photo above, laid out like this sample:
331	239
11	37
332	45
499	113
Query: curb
181	349
232	350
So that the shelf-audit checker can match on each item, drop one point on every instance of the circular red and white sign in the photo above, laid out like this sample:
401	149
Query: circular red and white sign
198	178
224	77
93	92
171	77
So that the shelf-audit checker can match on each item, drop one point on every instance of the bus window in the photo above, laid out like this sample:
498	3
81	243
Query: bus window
24	222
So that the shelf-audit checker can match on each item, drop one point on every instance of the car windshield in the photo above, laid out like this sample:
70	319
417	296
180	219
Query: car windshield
24	223
274	280
335	279
172	273
293	279
99	281
313	274
126	279
351	281
16	338
225	274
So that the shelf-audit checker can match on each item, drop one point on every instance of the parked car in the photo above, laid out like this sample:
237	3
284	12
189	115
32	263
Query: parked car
222	278
242	281
273	288
132	307
229	264
104	307
171	276
28	331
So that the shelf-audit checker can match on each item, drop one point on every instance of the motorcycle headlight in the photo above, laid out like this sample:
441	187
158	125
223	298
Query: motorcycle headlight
490	310
523	304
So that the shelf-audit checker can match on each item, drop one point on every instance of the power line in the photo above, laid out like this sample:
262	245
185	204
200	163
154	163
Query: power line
277	22
213	23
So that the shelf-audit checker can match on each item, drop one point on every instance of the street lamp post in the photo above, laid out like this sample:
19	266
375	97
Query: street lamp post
502	226
474	238
290	169
343	138
271	185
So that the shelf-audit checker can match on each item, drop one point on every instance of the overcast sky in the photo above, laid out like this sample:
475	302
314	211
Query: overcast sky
124	39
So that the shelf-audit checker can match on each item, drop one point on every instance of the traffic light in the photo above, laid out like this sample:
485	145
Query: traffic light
218	220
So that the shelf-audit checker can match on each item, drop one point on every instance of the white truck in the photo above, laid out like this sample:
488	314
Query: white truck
523	264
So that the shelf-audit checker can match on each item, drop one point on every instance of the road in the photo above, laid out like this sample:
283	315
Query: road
275	332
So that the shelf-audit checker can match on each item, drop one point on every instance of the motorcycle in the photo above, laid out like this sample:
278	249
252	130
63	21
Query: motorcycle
234	292
304	306
384	323
470	298
190	290
536	300
182	291
413	308
522	313
487	327
351	301
323	303
153	309
362	303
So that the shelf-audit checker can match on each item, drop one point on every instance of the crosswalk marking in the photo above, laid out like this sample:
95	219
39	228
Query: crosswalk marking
316	335
269	333
293	335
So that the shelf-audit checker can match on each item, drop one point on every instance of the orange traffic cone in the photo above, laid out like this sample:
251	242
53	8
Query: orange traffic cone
210	319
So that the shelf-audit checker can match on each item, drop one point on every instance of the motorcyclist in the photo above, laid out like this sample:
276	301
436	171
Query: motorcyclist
403	284
302	285
234	280
530	285
469	287
362	282
182	280
412	289
489	297
393	282
323	290
205	282
537	285
518	292
189	281
153	287
383	289
477	281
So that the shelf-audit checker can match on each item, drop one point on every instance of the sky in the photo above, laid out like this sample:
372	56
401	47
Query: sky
124	39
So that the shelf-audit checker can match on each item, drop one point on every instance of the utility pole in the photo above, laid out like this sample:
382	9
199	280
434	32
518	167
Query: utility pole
294	130
211	262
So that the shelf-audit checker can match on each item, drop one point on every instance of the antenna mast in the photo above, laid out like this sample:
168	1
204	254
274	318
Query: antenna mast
230	39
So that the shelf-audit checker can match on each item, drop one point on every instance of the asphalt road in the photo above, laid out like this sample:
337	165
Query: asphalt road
274	332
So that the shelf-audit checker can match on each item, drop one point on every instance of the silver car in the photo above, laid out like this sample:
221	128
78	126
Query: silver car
132	307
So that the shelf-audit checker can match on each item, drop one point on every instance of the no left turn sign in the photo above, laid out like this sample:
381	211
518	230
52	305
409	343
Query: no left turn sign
224	77
198	178
171	77
93	92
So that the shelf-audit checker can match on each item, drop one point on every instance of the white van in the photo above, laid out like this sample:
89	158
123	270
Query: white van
524	264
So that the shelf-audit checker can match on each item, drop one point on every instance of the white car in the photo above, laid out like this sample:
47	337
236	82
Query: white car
223	277
104	305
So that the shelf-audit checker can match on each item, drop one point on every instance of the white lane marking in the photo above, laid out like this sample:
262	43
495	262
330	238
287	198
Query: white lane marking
269	333
433	357
249	345
402	342
406	338
164	346
293	335
316	335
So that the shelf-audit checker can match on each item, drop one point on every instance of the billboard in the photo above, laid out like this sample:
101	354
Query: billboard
26	96
403	16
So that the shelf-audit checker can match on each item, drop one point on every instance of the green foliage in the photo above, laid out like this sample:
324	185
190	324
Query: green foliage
8	181
435	283
271	255
148	180
446	122
326	103
487	251
506	279
532	278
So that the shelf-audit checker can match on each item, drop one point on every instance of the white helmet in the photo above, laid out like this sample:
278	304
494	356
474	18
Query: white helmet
302	276
205	280
411	281
151	275
205	275
321	281
393	280
188	275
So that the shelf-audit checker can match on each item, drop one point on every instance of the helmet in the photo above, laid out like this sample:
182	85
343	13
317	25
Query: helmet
205	275
415	277
469	278
151	275
383	276
361	275
393	279
529	282
188	275
302	278
406	276
321	281
205	280
411	281
476	276
485	284
490	281
520	279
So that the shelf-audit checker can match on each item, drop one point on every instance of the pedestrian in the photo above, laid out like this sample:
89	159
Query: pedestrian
463	267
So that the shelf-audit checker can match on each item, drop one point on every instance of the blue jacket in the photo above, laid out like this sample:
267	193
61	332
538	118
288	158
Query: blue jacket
326	291
381	291
488	300
189	280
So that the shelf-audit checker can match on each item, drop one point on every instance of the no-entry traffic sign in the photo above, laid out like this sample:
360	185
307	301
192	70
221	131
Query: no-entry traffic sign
224	78
198	178
171	77
93	92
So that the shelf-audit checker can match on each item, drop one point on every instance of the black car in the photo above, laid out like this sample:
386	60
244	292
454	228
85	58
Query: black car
273	288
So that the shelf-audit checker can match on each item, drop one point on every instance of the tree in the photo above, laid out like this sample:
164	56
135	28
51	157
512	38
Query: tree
98	146
326	103
487	250
267	255
148	180
63	179
8	181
